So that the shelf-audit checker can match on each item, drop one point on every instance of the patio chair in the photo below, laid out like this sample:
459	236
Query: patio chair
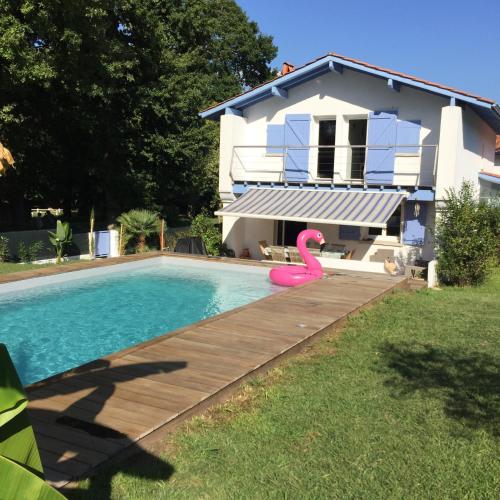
294	255
263	247
349	255
278	254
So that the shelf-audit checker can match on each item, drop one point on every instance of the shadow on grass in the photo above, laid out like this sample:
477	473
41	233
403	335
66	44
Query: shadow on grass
73	435
468	383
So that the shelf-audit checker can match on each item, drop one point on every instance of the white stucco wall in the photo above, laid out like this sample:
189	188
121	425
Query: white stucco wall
340	97
239	233
466	146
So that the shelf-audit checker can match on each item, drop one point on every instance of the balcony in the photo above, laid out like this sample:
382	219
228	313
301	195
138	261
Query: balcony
409	165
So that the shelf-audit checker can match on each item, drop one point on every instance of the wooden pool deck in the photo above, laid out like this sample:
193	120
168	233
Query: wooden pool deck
123	403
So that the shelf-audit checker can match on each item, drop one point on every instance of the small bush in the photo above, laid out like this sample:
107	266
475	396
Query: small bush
203	226
29	253
4	248
465	237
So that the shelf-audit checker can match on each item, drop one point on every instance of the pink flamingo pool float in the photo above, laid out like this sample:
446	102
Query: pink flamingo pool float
296	275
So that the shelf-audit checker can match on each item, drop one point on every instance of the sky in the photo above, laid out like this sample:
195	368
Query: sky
455	43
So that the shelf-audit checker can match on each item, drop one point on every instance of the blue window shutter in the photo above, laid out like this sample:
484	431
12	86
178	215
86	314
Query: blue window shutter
349	232
275	137
380	160
297	133
408	132
414	224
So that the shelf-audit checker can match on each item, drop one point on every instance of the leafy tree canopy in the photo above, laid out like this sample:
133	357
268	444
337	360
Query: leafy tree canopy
99	99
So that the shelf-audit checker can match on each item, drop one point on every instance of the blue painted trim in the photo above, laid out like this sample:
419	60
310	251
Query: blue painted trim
239	188
322	66
335	67
393	85
233	111
453	101
416	195
490	178
276	91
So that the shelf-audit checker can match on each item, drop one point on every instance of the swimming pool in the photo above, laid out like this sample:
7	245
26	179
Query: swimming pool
55	323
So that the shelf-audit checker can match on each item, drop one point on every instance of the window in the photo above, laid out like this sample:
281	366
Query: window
375	231
326	156
393	226
357	137
394	223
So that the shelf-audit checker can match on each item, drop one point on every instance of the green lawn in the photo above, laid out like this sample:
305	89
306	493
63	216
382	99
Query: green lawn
404	404
13	267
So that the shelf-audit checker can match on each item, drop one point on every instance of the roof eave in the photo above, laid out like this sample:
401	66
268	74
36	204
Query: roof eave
322	66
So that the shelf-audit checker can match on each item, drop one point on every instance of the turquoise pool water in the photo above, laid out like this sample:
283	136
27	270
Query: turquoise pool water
58	326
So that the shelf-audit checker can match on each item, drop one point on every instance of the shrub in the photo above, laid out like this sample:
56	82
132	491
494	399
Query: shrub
492	216
4	248
203	226
29	253
465	237
139	223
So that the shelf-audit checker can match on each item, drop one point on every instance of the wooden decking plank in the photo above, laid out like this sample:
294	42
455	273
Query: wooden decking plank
120	421
72	436
71	451
225	367
239	354
140	390
215	339
135	410
264	347
56	462
56	478
192	379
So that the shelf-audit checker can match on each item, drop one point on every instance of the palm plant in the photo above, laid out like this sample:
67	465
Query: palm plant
139	223
61	238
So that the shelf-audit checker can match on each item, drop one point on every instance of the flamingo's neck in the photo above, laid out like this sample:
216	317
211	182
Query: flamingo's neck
311	262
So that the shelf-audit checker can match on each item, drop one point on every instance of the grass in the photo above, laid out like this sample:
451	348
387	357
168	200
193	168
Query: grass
404	404
14	267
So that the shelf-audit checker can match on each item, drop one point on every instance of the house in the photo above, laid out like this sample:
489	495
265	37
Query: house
363	153
489	177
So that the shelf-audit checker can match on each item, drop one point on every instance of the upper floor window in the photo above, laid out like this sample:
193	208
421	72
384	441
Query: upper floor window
356	154
326	156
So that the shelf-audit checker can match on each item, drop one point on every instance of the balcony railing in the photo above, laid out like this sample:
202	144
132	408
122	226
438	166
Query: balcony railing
413	164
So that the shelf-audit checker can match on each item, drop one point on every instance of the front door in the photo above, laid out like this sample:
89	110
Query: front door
287	232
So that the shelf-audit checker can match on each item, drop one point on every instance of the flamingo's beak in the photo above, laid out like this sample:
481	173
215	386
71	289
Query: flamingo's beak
322	241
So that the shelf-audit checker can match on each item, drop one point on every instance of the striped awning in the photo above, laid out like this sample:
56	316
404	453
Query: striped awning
354	208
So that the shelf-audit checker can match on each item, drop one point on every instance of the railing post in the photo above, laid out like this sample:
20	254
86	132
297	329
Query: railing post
434	170
283	172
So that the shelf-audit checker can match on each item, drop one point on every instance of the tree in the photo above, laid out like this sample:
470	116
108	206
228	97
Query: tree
100	99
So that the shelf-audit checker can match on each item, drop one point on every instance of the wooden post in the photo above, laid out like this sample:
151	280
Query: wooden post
162	235
120	242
